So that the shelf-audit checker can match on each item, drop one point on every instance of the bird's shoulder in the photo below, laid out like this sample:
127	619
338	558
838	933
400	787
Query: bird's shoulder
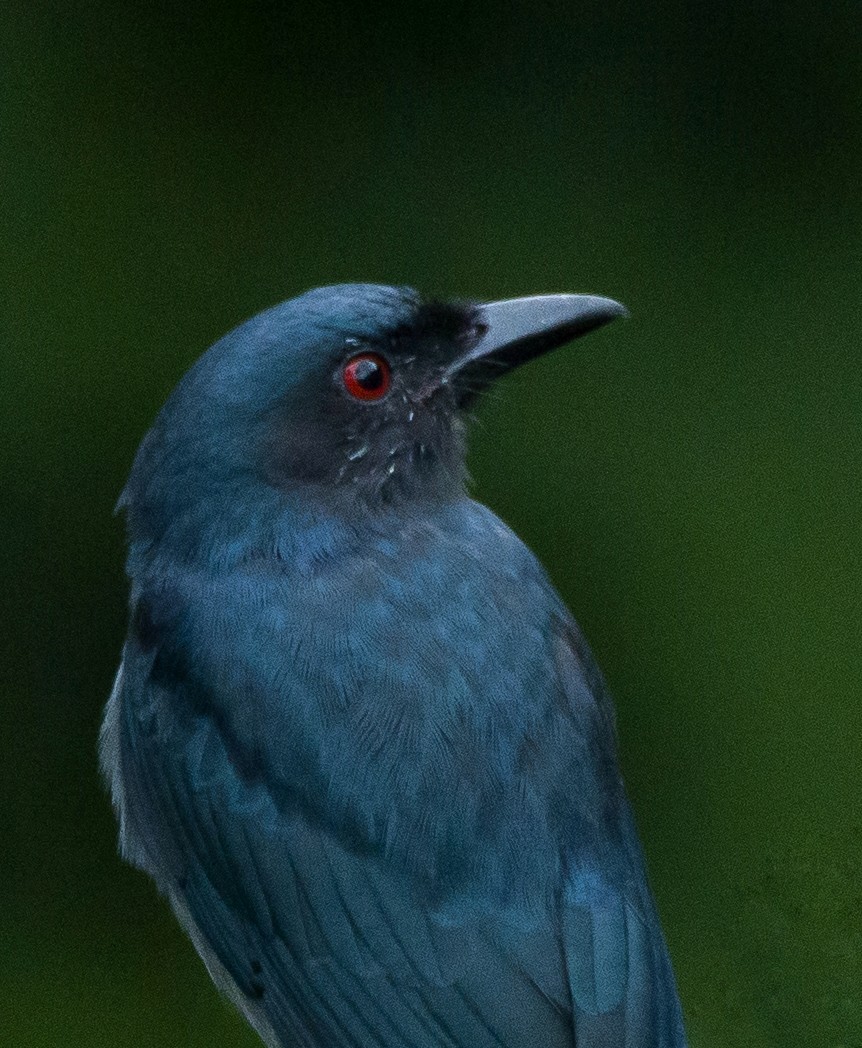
440	662
413	646
400	784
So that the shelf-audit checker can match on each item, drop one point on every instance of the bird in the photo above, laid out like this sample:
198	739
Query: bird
356	738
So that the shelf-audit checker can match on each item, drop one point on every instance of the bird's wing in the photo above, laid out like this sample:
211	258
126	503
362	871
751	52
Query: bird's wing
618	970
327	947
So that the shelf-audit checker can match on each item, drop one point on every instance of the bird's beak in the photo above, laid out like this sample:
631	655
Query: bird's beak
518	329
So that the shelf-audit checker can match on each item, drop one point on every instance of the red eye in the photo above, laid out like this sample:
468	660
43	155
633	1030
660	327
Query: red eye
367	376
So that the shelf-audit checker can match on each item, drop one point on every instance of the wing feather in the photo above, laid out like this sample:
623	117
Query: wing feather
329	945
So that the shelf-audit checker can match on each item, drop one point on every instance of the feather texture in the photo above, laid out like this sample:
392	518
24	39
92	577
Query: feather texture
357	739
468	884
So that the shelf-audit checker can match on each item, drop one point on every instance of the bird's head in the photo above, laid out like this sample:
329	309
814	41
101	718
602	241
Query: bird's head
353	396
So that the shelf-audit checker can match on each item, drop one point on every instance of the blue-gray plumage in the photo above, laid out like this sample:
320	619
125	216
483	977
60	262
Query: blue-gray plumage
357	739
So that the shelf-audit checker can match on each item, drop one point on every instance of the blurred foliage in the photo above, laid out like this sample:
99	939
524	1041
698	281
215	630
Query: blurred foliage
690	478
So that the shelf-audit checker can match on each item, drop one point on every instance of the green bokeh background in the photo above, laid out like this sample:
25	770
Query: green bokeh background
690	478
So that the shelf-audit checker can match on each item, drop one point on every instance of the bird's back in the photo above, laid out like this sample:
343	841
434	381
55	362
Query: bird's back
378	783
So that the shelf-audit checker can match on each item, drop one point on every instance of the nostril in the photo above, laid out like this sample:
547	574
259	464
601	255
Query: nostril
474	332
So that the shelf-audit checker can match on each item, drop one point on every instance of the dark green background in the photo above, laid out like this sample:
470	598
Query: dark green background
691	477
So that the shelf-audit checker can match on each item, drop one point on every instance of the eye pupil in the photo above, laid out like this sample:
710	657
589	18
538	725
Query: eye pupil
366	376
369	374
